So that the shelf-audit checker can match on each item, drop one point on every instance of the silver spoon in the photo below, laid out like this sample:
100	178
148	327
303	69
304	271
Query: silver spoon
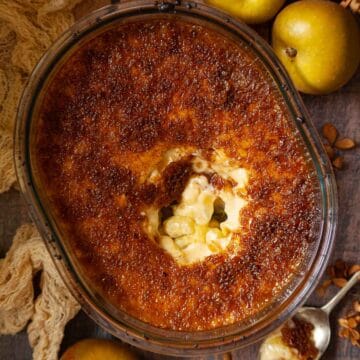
319	317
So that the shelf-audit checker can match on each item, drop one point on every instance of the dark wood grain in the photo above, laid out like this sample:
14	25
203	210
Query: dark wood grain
342	109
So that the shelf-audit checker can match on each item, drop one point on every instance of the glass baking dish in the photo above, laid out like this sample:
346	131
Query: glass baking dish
113	320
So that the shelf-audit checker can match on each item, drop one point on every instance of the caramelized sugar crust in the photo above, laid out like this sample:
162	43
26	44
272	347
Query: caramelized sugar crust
109	114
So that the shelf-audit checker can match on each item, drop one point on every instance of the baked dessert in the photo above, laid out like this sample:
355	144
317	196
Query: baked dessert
168	159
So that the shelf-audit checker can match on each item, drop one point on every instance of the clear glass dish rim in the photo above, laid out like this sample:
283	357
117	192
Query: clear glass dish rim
138	333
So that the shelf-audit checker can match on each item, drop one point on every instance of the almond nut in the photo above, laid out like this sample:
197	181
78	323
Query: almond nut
330	133
356	306
322	288
330	151
345	144
344	332
352	323
339	282
353	269
338	162
355	334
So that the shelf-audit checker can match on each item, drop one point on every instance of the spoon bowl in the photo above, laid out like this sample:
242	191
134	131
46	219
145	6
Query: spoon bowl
321	332
318	317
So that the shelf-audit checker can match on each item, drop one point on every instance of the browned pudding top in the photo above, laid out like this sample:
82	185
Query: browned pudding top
111	115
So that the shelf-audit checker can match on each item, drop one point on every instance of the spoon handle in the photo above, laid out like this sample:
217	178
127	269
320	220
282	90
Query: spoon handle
335	300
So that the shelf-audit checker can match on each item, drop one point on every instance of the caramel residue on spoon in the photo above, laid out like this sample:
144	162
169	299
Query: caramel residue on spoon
297	334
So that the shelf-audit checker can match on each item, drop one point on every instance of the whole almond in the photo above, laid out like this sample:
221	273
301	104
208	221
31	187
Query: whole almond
227	356
353	269
344	332
339	282
330	133
356	306
352	323
338	162
326	283
330	151
345	144
343	322
355	334
322	288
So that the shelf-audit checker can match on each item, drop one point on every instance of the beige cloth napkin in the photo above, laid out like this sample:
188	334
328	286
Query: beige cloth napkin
27	29
50	311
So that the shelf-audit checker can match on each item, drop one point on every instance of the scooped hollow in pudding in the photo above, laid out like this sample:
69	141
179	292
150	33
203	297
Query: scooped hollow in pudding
203	219
168	159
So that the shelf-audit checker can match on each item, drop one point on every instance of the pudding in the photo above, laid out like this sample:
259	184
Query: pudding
204	219
170	163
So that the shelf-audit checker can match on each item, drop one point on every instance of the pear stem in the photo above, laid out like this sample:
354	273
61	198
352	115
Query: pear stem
291	52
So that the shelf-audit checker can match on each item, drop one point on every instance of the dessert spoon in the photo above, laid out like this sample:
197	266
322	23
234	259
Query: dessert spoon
319	318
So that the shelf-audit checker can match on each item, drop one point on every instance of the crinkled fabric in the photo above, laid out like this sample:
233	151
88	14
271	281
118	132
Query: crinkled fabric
27	29
46	315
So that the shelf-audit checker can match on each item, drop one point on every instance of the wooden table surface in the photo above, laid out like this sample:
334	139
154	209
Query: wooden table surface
342	109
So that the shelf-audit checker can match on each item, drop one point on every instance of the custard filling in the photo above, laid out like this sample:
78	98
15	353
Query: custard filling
207	216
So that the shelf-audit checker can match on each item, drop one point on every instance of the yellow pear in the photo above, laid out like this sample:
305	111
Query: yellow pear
98	349
250	11
318	42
